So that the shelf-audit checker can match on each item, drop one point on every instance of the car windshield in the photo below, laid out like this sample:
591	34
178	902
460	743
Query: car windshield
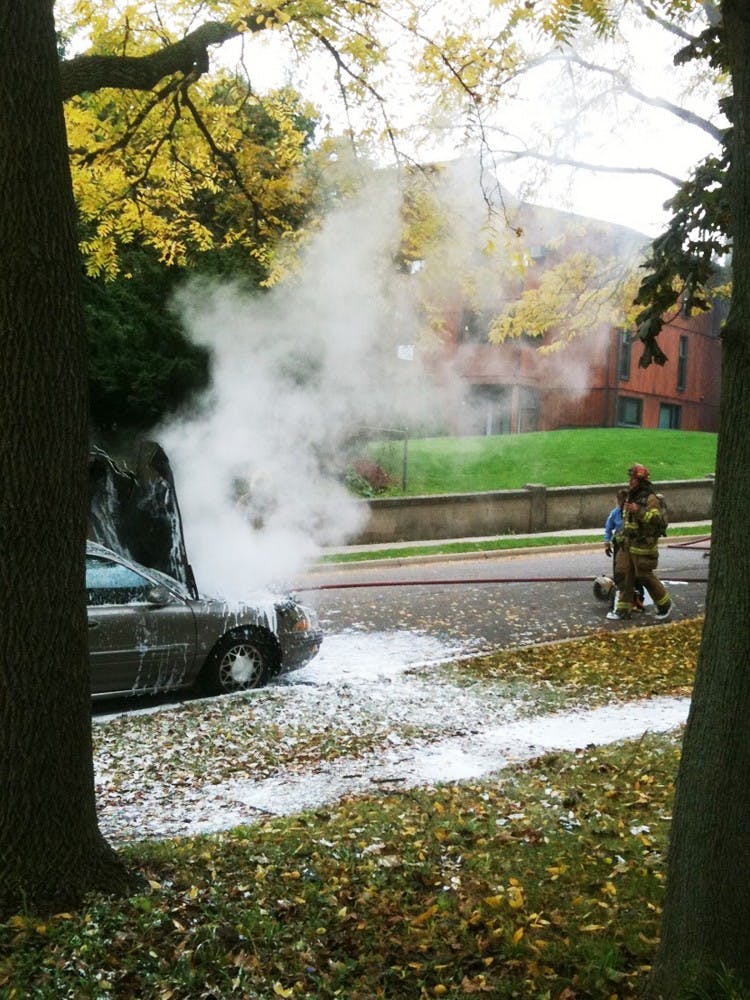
110	582
165	580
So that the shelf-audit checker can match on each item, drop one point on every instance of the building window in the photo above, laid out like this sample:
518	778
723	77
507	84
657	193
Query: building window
629	411
473	327
682	359
670	416
528	410
488	410
625	354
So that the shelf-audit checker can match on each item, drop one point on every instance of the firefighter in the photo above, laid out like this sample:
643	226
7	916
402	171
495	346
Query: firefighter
638	557
612	543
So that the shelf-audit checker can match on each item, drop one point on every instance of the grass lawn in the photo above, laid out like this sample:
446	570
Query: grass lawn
552	458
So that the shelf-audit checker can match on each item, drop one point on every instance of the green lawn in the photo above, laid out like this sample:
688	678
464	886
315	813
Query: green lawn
552	458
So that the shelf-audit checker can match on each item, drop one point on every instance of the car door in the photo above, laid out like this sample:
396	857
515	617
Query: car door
141	635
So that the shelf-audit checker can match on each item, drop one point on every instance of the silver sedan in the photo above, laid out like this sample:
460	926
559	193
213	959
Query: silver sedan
147	633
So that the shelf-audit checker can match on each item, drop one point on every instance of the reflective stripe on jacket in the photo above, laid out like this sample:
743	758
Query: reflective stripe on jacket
643	528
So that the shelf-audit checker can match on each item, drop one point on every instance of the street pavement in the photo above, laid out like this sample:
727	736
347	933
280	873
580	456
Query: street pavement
494	600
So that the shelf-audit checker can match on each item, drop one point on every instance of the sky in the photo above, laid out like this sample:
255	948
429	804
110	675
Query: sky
624	133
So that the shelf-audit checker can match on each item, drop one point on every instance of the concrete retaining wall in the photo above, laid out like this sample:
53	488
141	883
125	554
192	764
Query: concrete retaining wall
534	508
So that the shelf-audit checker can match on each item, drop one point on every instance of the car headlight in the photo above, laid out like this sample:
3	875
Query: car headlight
307	620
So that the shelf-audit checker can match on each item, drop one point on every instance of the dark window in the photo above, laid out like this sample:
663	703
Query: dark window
629	411
528	410
488	409
473	327
670	416
682	360
625	355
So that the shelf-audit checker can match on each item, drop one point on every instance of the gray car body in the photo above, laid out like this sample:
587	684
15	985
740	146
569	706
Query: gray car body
158	637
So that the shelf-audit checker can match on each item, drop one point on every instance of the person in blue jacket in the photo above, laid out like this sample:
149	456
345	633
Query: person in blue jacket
613	525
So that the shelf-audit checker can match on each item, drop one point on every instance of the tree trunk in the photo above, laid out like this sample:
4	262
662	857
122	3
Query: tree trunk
705	932
51	850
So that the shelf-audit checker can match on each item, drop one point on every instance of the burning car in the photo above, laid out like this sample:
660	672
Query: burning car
150	629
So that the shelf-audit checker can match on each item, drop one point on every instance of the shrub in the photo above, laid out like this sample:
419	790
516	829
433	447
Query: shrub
367	478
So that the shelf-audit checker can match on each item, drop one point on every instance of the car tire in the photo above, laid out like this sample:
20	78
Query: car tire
240	661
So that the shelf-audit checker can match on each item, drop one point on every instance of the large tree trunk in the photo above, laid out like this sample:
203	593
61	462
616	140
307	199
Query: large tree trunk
705	927
51	851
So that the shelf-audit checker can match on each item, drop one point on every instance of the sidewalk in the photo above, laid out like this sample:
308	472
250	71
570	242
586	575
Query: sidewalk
702	529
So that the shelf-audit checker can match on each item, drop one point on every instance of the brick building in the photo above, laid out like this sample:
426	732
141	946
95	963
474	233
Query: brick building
595	381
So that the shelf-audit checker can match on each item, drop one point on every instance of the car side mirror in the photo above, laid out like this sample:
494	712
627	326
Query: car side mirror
159	596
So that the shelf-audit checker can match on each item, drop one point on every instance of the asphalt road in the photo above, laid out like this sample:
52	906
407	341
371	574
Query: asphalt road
496	600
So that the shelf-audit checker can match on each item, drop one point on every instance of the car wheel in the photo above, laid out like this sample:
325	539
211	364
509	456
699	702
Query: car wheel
240	662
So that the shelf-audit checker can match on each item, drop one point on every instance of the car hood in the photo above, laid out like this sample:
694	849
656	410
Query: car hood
263	609
135	512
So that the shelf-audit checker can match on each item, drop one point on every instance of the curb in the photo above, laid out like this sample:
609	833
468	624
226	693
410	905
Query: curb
427	558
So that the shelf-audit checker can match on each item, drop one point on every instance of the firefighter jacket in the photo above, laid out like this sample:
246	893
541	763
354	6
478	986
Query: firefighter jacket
643	528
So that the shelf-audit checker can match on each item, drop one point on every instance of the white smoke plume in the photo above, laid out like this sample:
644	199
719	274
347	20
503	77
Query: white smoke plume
300	370
295	372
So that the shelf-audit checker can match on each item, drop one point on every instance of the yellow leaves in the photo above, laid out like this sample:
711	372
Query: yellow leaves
425	916
565	17
575	296
319	910
515	897
663	662
27	925
555	871
145	167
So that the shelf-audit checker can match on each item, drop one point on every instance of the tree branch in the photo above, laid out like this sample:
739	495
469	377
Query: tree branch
663	22
90	156
510	155
342	67
655	102
220	154
188	56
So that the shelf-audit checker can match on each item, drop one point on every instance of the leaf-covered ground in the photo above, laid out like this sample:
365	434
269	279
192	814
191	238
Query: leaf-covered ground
620	665
168	772
543	880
